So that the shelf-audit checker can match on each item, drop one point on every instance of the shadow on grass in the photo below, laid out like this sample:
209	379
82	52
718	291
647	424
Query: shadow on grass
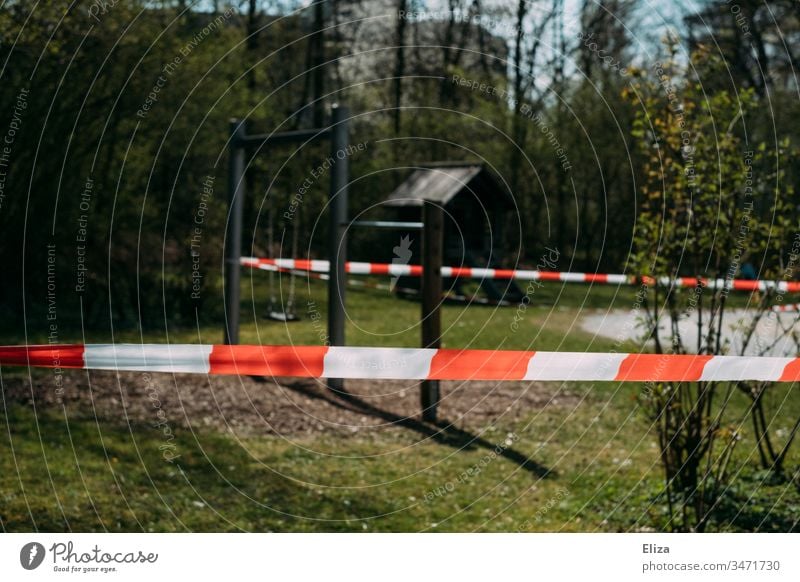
442	431
750	505
59	475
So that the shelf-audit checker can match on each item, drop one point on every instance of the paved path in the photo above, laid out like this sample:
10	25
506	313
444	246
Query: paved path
622	325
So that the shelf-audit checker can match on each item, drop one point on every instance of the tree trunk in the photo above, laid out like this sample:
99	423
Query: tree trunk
400	66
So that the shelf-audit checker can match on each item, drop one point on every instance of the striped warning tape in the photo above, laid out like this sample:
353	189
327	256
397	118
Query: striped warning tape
402	363
787	308
448	297
356	268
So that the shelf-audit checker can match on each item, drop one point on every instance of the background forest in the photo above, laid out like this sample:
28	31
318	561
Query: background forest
122	110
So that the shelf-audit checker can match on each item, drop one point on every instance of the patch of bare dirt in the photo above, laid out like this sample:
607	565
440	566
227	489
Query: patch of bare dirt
286	406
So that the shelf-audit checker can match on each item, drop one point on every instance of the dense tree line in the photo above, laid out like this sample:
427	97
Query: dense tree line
120	115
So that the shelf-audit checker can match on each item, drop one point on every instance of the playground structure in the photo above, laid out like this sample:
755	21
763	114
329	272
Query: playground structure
238	145
475	207
460	191
432	226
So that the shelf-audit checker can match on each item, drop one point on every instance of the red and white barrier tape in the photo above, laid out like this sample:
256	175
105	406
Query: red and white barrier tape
369	285
355	268
402	363
786	308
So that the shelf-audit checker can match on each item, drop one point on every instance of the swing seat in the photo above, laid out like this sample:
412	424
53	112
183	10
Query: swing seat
275	313
281	316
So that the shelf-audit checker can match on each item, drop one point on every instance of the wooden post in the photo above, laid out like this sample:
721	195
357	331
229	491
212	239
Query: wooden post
337	235
432	241
233	234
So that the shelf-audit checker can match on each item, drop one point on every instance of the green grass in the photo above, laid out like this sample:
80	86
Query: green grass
85	474
377	318
81	475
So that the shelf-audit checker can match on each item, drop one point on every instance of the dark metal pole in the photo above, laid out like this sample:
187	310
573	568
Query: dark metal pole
233	240
432	242
337	241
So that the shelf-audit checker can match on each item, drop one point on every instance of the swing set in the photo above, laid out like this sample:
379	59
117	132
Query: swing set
240	143
276	309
